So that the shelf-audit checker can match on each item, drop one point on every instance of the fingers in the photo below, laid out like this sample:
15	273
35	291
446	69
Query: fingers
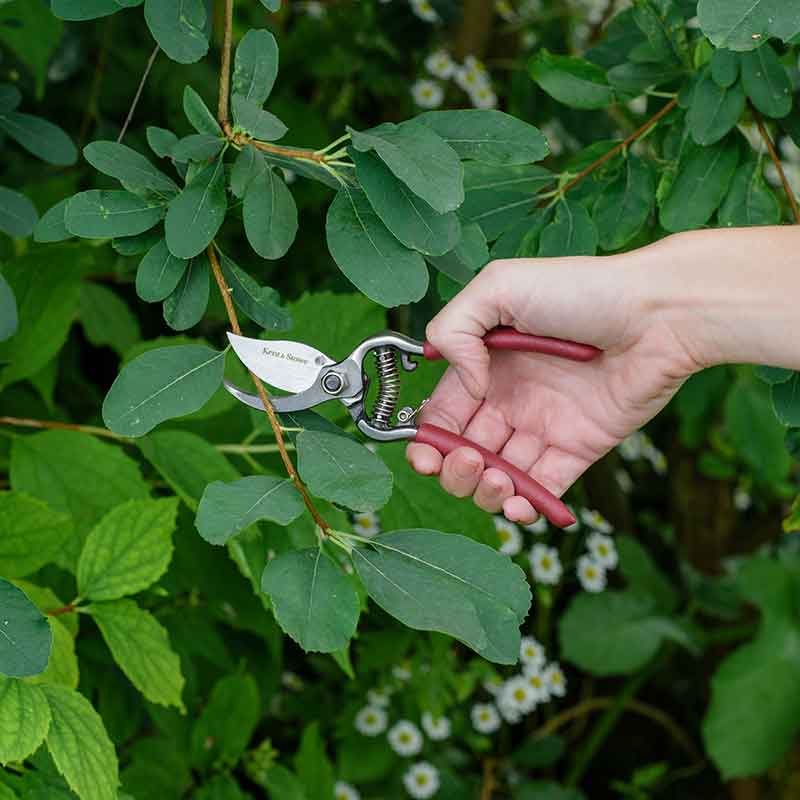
494	488
461	472
518	509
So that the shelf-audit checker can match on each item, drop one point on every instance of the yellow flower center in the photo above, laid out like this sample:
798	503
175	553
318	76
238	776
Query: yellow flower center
546	563
422	779
519	695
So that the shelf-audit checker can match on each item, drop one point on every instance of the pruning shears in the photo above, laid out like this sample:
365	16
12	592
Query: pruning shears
315	378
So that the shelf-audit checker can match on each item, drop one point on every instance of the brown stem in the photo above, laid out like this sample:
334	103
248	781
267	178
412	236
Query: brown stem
476	28
225	69
57	612
489	782
241	139
22	422
762	129
274	422
138	95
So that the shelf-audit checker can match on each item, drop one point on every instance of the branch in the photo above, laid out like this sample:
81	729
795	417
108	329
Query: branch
762	129
225	69
488	784
22	422
57	612
138	95
240	140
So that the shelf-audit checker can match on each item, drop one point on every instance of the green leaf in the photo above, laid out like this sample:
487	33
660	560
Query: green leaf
283	784
32	35
466	258
270	215
18	215
140	646
40	138
26	718
340	470
750	201
255	66
223	731
137	245
624	207
51	227
546	790
248	166
79	745
419	158
572	81
106	318
767	82
162	384
101	214
128	550
196	147
196	111
80	10
221	787
227	508
161	140
699	188
195	215
271	5
179	28
313	765
26	640
159	273
773	375
643	575
188	302
260	303
409	218
572	233
131	169
746	739
314	601
665	29
638	78
62	666
9	316
747	24
369	255
488	136
249	118
10	97
725	68
448	583
31	534
714	111
786	401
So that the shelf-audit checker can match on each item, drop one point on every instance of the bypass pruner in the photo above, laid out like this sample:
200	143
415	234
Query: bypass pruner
314	378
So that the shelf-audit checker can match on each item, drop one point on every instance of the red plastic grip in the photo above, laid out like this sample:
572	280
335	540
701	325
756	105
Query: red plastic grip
510	339
541	499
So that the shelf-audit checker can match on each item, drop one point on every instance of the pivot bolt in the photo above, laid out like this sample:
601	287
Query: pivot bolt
334	382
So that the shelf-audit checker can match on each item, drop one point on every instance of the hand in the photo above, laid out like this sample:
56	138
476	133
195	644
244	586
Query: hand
550	417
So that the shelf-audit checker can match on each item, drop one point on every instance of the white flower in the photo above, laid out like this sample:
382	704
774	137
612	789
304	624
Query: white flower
603	550
540	526
440	64
378	697
483	97
789	150
545	564
366	523
405	738
509	712
313	8
344	791
556	682
509	535
505	10
422	780
424	10
529	40
595	520
518	695
292	681
471	62
538	683
427	94
485	718
741	499
470	79
493	685
437	728
624	480
658	461
531	652
371	721
632	448
402	672
591	574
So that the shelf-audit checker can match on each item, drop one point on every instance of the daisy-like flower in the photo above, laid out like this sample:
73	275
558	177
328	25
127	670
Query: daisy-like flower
538	683
405	738
493	685
742	499
402	672
469	79
509	535
422	780
540	526
595	520
531	653
440	64
509	712
437	728
371	721
603	550
545	564
485	717
344	791
556	682
424	10
517	694
366	523
378	697
591	575
427	94
483	97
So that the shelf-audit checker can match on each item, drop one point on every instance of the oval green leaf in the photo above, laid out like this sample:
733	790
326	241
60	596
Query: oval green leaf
26	640
100	214
270	215
159	273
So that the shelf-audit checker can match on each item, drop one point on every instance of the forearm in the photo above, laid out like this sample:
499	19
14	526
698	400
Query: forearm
731	296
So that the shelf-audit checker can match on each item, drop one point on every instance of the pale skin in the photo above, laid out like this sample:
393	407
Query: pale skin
660	314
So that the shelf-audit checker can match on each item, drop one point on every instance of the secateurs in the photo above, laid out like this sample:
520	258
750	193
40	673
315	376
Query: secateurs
314	378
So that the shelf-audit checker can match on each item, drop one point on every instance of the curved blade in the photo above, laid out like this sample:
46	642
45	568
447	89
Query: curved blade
283	405
290	366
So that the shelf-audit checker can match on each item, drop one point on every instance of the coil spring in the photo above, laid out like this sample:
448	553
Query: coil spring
388	386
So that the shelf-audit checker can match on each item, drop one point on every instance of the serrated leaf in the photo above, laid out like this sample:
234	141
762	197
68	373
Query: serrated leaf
196	111
25	717
106	319
314	601
131	169
251	119
128	550
179	28
767	82
39	137
572	81
369	255
255	66
51	227
747	24
80	10
714	111
26	637
188	301
448	583
101	214
196	214
340	470
18	215
159	273
9	316
31	534
750	201
270	215
79	745
162	384
572	233
140	646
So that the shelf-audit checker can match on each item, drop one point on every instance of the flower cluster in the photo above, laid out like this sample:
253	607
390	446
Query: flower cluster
471	76
639	446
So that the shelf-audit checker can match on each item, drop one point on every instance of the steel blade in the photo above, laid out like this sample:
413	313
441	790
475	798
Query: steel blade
290	366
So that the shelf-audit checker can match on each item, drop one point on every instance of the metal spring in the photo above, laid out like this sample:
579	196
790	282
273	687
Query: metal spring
388	386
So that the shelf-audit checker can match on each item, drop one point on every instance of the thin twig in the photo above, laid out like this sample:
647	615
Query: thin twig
24	422
762	129
225	69
242	140
57	612
488	783
138	95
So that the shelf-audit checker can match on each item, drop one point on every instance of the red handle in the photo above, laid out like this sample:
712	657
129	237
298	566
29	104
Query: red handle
540	498
510	339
